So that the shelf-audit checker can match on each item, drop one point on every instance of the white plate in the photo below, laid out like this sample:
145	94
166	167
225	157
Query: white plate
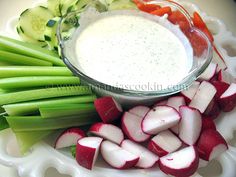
43	156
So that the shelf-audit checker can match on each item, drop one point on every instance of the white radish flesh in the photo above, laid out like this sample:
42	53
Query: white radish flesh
117	157
191	91
190	125
183	163
69	138
227	100
164	143
209	73
147	159
131	126
159	119
107	131
203	97
140	111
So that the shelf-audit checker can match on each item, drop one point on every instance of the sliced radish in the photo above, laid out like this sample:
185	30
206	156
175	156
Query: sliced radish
159	119
164	143
147	159
69	137
221	87
117	157
221	64
108	109
204	96
211	144
190	92
183	163
208	123
131	125
107	131
190	125
209	73
140	111
226	77
87	151
160	103
227	100
176	102
213	109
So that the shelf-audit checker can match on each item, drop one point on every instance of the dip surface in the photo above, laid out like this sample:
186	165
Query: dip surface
132	52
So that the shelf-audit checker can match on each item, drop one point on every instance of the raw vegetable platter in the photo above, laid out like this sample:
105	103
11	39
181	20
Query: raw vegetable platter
43	155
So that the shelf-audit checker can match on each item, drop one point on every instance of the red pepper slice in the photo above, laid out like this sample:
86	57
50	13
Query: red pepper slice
162	11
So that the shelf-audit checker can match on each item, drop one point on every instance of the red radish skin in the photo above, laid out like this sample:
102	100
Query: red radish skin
227	100
183	163
209	73
164	143
226	77
213	109
108	132
147	159
203	96
221	87
211	144
108	109
140	111
190	125
69	137
87	151
117	157
189	93
159	119
208	123
131	126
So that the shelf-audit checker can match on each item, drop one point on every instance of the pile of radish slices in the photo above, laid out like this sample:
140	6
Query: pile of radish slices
173	134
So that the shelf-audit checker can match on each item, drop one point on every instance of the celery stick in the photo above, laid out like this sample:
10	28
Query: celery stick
33	106
33	123
29	49
38	81
2	63
17	59
27	139
37	94
19	71
65	110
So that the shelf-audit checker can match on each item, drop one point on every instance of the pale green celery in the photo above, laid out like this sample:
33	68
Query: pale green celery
29	49
38	81
27	139
32	107
37	123
66	110
19	71
37	94
17	59
4	63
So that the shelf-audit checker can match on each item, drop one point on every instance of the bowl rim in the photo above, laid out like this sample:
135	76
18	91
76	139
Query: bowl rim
183	84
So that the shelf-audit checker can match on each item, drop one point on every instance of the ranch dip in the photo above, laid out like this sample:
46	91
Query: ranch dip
134	52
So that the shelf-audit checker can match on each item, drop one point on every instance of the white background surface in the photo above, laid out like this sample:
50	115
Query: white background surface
222	9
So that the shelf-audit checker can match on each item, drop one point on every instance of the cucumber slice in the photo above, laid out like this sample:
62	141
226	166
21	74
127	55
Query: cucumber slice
81	4
55	7
32	22
67	6
50	33
121	5
26	38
